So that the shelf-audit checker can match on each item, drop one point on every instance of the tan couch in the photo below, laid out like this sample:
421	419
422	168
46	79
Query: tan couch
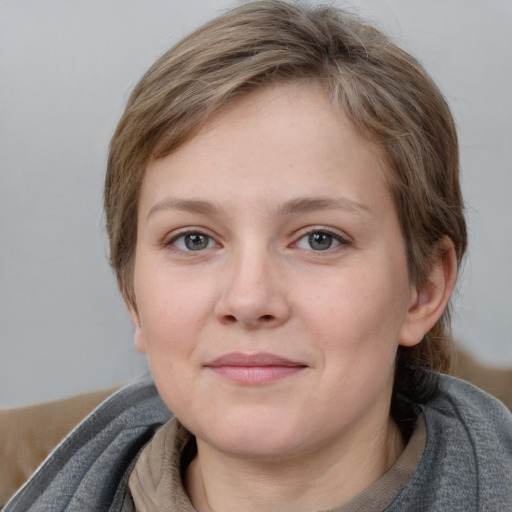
28	434
496	381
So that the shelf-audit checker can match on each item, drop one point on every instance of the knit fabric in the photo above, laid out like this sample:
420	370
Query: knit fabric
466	464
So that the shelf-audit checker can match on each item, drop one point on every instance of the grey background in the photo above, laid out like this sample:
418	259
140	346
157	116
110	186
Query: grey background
66	68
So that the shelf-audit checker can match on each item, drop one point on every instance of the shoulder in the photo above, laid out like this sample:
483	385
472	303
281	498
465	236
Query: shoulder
467	460
474	427
30	433
98	452
461	406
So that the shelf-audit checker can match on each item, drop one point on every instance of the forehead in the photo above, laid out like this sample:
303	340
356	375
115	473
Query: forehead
277	137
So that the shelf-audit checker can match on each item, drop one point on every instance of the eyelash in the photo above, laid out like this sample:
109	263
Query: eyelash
171	243
341	241
325	231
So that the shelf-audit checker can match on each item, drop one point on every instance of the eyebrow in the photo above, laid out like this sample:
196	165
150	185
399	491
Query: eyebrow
188	205
294	206
311	204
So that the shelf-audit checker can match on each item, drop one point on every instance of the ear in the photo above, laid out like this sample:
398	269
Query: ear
140	342
429	301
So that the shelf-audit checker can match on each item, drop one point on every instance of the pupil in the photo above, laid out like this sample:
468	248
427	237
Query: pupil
196	242
320	241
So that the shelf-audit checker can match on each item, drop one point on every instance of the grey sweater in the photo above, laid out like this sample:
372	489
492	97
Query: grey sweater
466	465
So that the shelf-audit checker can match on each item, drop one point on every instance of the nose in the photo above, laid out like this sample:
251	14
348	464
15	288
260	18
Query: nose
254	292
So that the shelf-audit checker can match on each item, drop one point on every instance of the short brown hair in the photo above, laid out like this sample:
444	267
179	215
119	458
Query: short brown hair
385	92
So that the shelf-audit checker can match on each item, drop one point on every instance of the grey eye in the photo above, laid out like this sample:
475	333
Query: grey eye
193	242
320	241
196	241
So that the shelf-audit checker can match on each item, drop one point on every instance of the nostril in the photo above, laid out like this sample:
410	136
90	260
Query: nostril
230	319
267	318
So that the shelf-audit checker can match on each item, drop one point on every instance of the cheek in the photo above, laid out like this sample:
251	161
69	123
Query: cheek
166	321
162	310
169	328
360	310
174	308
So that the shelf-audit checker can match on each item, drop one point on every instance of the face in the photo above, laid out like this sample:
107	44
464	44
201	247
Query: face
270	278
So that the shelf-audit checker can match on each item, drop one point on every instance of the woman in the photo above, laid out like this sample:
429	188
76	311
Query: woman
286	223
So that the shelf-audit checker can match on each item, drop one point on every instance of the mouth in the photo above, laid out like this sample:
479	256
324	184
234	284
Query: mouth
253	369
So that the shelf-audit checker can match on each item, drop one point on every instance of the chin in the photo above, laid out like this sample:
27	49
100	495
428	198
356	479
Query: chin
257	448
255	438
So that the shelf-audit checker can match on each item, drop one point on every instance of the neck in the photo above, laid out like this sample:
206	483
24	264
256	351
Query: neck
335	473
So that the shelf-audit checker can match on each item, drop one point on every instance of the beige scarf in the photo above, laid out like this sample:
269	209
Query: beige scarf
155	483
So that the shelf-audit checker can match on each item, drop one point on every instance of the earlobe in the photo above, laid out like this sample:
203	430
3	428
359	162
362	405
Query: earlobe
140	342
429	301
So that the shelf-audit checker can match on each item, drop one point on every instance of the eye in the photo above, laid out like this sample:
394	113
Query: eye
320	241
195	241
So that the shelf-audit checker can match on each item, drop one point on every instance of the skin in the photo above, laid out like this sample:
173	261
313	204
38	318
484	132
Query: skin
263	175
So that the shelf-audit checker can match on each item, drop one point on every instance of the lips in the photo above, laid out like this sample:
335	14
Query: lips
252	369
